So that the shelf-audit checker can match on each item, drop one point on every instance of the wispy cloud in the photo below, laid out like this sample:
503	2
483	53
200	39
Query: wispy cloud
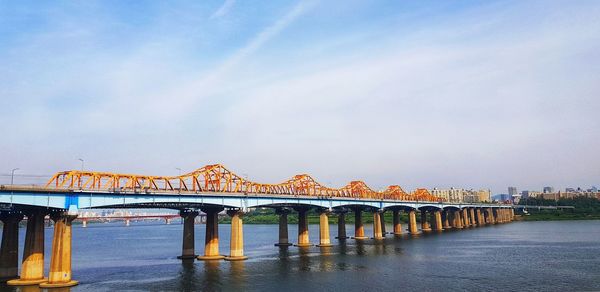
479	96
223	9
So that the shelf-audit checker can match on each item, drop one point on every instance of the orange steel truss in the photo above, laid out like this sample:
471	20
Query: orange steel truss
217	178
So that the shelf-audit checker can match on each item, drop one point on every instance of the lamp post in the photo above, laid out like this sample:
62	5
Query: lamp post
179	170
12	175
81	164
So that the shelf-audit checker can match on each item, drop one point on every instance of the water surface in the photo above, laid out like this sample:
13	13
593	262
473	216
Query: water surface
525	256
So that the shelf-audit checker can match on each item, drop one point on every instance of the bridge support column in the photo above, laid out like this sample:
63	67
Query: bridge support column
377	232
342	226
478	217
412	225
303	240
188	250
397	225
236	243
512	214
457	220
32	266
84	223
60	262
472	217
424	224
437	214
324	239
446	219
283	227
498	215
382	217
211	239
465	213
127	222
359	229
9	250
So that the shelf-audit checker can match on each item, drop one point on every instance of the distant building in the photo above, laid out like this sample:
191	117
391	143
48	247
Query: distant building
501	197
484	195
548	190
551	196
512	191
516	199
450	195
470	196
444	194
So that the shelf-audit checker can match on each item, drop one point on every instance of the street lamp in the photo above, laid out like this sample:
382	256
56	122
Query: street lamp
179	170
12	175
81	164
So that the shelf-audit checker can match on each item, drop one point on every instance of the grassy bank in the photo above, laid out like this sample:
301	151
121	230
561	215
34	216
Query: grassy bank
268	216
557	216
585	209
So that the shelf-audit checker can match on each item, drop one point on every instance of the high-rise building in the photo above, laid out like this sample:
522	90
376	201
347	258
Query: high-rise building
512	191
548	190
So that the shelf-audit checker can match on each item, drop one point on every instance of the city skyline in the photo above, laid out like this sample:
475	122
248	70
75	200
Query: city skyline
436	94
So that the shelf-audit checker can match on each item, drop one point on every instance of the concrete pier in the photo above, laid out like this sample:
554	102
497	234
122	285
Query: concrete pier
188	250
446	219
397	225
211	239
60	260
236	243
465	215
412	225
324	236
359	229
303	239
342	226
492	216
457	220
32	266
377	231
382	218
437	214
480	221
472	217
283	227
9	249
424	223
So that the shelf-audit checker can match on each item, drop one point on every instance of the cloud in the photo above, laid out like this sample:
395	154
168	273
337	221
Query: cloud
223	9
474	97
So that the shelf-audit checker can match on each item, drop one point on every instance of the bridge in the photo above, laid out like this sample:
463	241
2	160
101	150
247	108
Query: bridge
211	190
127	219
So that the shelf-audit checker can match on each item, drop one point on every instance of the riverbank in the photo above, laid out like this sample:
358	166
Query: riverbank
557	217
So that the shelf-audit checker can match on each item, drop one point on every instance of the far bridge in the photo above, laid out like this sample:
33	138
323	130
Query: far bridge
211	190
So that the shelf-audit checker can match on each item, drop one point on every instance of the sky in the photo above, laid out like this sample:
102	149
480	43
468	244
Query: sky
468	94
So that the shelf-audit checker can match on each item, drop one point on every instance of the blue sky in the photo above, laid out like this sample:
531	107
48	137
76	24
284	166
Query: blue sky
473	94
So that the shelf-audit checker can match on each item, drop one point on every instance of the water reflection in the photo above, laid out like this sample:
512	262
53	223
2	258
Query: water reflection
343	247
32	288
380	248
187	274
360	248
237	270
304	259
212	276
326	262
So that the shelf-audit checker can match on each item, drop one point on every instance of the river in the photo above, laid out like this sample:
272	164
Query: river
524	256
